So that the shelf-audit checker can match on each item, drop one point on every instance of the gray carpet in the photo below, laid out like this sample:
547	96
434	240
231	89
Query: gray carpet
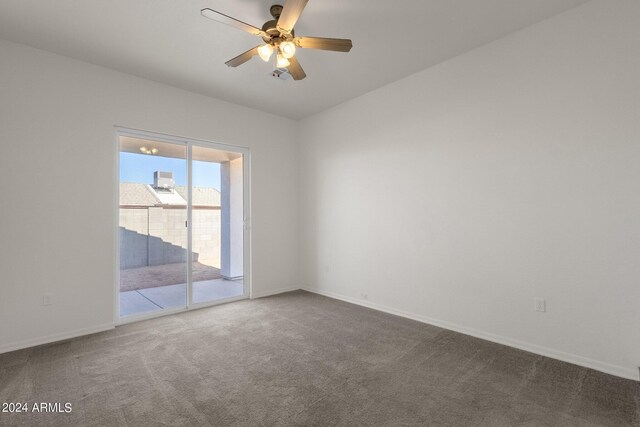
302	359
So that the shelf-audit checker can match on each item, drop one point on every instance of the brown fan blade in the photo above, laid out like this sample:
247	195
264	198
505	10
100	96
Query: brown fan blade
242	58
291	11
337	45
225	19
295	69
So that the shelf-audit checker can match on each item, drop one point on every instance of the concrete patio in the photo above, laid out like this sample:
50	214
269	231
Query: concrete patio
144	301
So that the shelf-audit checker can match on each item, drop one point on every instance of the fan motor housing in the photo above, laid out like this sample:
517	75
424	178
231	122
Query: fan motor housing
275	11
270	27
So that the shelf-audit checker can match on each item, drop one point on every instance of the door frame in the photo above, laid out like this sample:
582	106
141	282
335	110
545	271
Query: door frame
188	143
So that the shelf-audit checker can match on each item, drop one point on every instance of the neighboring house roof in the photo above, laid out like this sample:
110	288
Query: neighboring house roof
138	194
201	196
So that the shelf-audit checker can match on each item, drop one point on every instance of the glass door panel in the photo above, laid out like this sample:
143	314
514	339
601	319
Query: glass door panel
217	218
153	238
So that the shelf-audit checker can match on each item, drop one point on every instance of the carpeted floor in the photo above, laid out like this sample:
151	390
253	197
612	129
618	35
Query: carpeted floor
303	359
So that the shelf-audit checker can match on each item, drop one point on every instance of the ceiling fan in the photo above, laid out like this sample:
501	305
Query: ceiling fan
279	37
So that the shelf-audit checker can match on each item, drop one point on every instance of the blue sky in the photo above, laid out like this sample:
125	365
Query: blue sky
140	168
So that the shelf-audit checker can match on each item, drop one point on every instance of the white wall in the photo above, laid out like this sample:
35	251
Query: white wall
457	195
57	118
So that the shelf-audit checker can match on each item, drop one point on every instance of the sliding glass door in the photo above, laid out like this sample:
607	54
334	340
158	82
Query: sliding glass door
181	231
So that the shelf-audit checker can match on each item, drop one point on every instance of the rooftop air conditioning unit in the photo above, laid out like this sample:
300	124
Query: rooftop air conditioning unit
163	180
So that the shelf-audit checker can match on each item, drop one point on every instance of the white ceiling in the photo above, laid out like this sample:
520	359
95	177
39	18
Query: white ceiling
169	42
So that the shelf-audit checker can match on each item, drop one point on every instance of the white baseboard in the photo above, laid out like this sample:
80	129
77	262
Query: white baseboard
5	348
618	371
270	292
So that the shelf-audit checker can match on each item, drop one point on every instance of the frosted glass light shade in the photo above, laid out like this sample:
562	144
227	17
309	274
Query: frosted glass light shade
288	49
282	62
265	52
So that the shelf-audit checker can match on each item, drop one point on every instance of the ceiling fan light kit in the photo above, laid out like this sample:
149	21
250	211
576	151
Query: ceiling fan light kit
279	36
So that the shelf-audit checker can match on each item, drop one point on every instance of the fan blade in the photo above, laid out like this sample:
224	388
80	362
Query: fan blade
225	19
242	58
337	45
295	69
290	13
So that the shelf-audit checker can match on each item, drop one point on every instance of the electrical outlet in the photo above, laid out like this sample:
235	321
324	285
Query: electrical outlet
46	299
540	304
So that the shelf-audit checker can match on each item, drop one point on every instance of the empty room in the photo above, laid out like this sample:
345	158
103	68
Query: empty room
320	212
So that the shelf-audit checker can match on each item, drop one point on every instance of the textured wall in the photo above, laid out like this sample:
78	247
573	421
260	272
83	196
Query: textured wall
461	193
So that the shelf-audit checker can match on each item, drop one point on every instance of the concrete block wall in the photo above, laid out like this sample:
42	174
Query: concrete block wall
134	232
206	236
157	235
